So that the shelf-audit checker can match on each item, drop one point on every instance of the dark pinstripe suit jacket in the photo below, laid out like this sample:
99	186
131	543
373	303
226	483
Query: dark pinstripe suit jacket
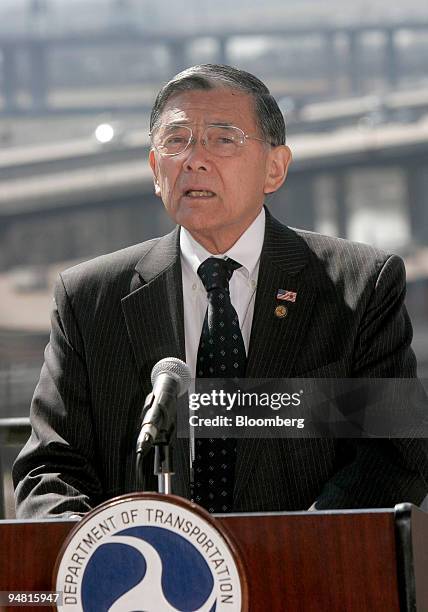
117	315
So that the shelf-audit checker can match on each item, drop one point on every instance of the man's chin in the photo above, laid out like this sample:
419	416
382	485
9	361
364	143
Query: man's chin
198	220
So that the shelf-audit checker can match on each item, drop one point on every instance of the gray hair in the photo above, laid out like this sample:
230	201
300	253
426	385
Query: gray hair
209	76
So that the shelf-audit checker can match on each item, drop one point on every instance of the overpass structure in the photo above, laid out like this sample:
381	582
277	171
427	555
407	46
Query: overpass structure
81	198
38	48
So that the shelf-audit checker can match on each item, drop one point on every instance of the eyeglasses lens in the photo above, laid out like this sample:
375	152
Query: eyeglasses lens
219	140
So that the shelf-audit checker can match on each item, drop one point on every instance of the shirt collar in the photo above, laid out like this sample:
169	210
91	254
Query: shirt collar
246	250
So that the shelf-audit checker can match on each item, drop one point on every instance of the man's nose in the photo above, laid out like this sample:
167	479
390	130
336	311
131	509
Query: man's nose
197	158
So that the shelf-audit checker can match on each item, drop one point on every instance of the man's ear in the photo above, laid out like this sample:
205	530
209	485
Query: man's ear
153	166
277	167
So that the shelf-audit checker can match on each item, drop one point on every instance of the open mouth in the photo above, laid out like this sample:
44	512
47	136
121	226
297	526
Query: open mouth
199	193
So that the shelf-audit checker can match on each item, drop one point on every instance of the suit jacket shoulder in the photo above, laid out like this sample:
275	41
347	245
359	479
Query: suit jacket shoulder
107	269
354	270
339	256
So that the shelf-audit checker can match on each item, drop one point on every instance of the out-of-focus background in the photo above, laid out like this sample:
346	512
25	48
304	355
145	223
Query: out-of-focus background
77	81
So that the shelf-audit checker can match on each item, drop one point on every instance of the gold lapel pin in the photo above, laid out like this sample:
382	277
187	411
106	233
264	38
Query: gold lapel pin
281	311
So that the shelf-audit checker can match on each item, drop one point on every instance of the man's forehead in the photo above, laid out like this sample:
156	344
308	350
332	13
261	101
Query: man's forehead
209	106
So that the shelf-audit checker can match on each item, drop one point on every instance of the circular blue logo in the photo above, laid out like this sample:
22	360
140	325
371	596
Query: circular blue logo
141	563
148	553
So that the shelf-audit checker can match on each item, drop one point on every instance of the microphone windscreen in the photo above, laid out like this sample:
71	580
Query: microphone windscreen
176	368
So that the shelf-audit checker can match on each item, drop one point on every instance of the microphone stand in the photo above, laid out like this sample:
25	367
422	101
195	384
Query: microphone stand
163	457
163	464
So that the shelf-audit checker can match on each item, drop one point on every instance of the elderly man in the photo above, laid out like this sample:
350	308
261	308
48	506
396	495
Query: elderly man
218	148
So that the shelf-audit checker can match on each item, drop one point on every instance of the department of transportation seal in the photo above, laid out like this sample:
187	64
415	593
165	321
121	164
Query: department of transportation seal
151	553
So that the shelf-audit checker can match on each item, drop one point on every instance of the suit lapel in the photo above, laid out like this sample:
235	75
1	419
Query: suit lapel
154	319
154	309
275	341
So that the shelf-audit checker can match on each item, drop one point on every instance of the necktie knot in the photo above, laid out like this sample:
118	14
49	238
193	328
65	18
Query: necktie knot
216	273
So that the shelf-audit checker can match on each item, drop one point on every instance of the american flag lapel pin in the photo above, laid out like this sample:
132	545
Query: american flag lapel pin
287	296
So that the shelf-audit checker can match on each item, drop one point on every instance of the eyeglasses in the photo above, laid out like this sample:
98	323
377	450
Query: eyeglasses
221	140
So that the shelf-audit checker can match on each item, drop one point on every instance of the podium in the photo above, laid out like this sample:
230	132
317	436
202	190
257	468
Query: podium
336	561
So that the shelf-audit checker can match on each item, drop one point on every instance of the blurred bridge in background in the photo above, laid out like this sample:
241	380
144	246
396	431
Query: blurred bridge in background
37	51
81	198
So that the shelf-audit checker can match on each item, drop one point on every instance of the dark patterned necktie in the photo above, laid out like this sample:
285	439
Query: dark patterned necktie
221	354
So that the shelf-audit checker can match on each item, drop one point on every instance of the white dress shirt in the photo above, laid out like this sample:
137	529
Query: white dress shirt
242	285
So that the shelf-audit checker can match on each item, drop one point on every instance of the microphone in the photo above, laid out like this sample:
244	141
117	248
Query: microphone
170	378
